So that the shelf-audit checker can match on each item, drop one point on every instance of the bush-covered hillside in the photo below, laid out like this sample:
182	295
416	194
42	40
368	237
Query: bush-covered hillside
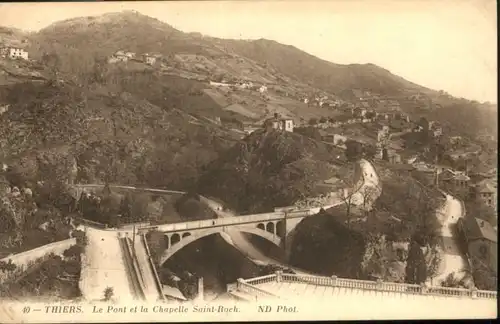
269	169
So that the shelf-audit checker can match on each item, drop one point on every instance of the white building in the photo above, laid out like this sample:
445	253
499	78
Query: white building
14	53
284	124
263	89
130	55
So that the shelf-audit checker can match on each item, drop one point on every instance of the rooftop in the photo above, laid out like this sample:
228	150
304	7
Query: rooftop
402	167
461	177
480	229
486	186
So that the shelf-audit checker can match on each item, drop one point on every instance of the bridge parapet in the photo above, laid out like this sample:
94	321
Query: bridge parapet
218	222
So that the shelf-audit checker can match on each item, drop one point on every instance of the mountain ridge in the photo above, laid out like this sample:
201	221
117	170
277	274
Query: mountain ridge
148	33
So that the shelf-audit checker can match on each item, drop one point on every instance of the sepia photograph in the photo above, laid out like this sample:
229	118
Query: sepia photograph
193	161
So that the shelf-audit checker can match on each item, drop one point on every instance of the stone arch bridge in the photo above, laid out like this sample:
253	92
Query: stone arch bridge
274	227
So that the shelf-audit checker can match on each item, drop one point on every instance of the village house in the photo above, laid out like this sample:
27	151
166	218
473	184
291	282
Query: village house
403	169
481	239
435	128
14	53
359	112
382	133
454	140
454	181
245	85
219	84
4	109
364	105
486	192
119	56
393	105
285	124
335	139
149	59
398	125
394	157
425	172
130	55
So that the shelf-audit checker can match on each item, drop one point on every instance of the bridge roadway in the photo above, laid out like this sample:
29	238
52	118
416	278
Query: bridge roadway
239	220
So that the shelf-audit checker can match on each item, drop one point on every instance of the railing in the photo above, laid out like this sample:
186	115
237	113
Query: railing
153	266
371	285
133	267
241	285
262	280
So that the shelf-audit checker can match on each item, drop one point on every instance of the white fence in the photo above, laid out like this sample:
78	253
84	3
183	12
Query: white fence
366	285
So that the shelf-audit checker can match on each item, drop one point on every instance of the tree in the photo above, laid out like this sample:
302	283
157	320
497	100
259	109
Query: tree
375	258
81	237
310	132
347	196
354	150
416	269
385	154
369	194
433	259
370	114
53	63
451	281
7	266
485	277
108	293
73	252
313	121
369	151
322	120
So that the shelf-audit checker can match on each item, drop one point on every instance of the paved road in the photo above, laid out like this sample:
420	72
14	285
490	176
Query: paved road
453	261
150	288
103	266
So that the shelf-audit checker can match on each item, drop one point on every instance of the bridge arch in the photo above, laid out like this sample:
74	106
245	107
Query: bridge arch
200	234
174	239
270	227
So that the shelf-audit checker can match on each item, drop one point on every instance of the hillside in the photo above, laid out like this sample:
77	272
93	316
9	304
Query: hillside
113	136
103	35
85	106
269	169
13	37
108	33
322	74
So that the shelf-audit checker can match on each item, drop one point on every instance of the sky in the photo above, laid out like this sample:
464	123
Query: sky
448	45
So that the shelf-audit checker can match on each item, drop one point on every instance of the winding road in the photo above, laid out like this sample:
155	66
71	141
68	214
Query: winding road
453	261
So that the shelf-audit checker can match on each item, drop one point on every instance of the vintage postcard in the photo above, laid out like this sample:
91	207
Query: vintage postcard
248	161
